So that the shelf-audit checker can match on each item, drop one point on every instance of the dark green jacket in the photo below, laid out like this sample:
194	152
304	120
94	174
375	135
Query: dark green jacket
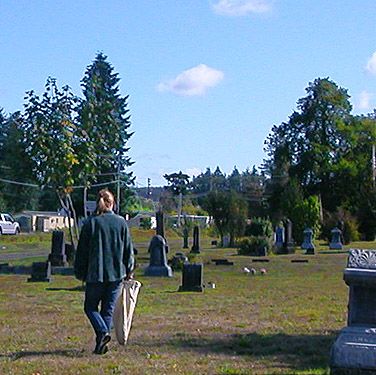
104	251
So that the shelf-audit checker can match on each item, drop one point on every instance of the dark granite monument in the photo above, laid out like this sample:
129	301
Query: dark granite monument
58	256
158	261
196	240
185	239
40	272
160	223
192	278
354	351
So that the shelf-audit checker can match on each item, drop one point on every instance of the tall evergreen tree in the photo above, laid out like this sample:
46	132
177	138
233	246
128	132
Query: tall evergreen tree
16	165
105	119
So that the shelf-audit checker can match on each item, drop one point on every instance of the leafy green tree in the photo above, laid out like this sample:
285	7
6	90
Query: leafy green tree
229	212
51	132
178	184
312	142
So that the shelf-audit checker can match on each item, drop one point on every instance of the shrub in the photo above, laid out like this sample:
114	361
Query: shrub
259	226
254	245
145	223
340	218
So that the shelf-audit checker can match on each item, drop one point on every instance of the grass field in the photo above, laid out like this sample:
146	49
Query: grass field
284	322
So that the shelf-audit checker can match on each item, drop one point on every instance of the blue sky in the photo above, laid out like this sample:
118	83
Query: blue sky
207	79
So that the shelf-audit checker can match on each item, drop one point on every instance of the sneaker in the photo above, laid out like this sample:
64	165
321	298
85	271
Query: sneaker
101	346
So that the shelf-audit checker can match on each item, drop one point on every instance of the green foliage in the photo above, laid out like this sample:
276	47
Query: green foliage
229	213
340	219
51	130
177	182
259	226
306	214
145	223
253	245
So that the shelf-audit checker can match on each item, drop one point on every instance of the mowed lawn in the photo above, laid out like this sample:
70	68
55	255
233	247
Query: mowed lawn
283	322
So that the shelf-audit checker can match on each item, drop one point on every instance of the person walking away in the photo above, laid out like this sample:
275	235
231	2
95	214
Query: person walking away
104	258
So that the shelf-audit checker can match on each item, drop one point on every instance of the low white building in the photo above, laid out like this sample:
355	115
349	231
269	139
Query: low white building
43	221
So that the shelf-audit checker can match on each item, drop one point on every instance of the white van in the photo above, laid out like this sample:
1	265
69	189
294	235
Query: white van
8	225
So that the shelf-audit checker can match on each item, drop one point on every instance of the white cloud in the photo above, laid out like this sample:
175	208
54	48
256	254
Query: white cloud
364	100
371	64
193	82
193	171
237	8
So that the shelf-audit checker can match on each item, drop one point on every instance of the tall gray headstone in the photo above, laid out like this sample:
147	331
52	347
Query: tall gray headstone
58	256
336	243
279	237
192	278
354	351
196	240
185	239
158	260
288	245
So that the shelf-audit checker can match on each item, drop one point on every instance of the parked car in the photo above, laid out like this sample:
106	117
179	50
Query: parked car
8	225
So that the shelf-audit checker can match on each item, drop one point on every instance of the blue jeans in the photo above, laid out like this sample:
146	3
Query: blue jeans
105	294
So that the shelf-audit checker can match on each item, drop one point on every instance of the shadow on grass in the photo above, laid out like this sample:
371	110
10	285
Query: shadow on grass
301	352
75	289
63	353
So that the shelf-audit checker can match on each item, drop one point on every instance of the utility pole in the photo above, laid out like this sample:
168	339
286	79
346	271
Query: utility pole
149	187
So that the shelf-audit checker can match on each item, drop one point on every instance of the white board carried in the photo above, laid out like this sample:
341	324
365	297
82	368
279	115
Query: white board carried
124	309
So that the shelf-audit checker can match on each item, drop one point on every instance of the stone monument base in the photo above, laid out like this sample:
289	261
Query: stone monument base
286	250
354	352
158	271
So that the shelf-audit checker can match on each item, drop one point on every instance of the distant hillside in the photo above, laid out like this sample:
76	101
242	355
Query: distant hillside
154	193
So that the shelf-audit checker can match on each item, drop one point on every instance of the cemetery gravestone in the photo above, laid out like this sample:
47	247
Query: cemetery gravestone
161	226
160	223
336	243
185	239
226	241
288	245
58	256
354	351
40	272
196	240
279	237
158	261
192	278
307	242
